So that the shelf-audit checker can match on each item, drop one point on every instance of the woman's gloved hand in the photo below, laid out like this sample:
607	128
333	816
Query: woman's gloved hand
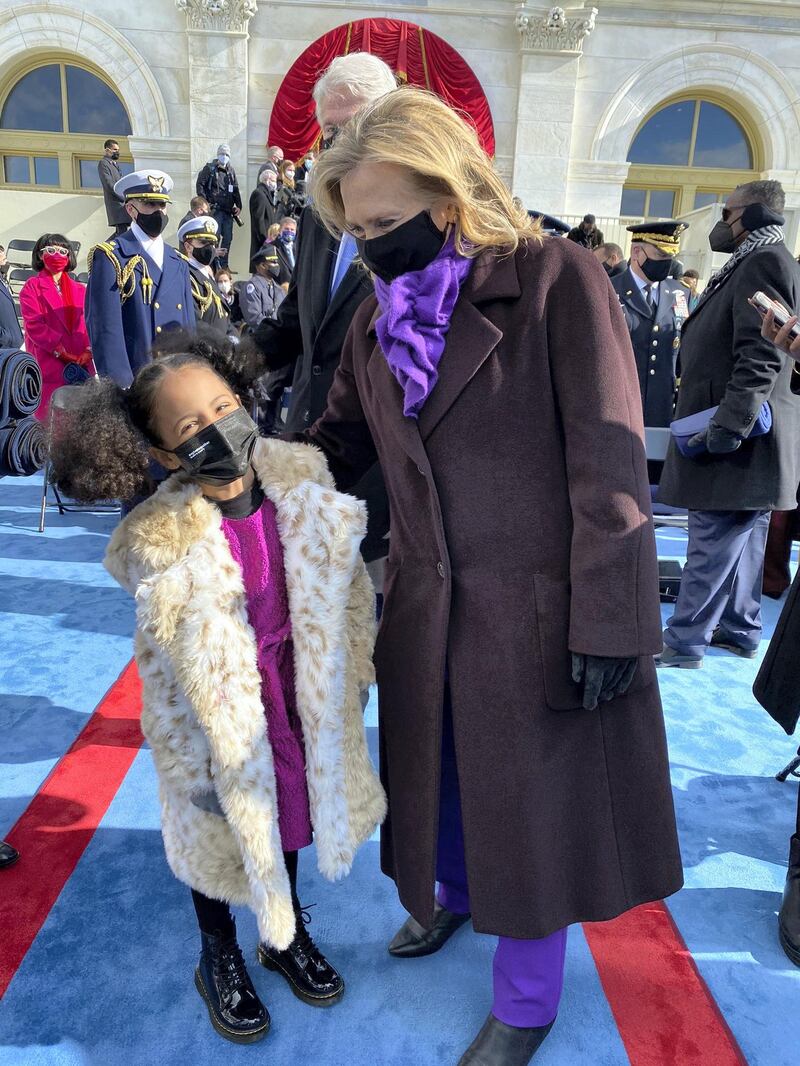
717	439
603	678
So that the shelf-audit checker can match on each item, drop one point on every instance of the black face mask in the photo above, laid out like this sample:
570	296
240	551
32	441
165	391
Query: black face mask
410	246
274	270
221	452
607	267
656	269
205	255
754	216
152	225
115	155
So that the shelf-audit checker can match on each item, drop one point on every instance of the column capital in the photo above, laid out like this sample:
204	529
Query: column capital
554	30
218	16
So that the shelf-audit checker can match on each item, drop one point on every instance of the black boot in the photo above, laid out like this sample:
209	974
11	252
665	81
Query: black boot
222	980
308	973
789	914
8	855
412	940
498	1044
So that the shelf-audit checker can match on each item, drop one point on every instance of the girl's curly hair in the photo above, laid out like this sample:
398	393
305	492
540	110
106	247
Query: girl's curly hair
98	447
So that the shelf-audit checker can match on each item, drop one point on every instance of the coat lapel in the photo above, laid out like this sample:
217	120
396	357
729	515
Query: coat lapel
633	295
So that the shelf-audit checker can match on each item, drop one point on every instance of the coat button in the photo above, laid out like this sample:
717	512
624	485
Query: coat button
440	569
655	344
652	372
156	305
655	329
421	471
158	329
653	358
316	370
180	307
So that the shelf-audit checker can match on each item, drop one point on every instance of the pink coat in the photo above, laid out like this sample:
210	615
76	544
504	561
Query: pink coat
54	321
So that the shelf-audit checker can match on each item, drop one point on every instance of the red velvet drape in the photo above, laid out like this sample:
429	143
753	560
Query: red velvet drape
417	57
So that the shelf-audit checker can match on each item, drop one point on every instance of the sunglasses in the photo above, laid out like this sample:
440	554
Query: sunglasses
54	249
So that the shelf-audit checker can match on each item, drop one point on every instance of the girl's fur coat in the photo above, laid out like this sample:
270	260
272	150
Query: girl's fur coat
202	711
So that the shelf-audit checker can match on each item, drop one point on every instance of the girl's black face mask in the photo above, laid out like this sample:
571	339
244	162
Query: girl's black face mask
410	246
221	452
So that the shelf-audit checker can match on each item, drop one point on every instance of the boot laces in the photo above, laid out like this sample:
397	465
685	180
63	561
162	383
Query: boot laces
302	937
230	970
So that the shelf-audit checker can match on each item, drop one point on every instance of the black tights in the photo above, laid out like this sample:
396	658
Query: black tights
214	916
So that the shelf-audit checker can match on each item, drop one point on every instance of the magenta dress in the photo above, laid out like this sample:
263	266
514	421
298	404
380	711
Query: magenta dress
256	547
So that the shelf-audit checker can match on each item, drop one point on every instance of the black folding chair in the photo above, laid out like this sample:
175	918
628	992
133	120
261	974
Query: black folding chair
63	406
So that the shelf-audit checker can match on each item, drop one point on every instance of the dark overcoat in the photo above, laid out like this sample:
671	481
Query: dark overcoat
308	333
726	361
521	530
656	338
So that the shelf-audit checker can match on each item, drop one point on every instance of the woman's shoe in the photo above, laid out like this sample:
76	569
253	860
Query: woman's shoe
8	855
222	980
498	1044
789	915
413	941
308	973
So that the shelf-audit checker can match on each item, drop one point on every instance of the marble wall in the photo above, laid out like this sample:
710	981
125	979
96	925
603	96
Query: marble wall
567	88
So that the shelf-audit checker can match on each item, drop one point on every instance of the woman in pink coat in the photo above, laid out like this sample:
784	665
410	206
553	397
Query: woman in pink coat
52	313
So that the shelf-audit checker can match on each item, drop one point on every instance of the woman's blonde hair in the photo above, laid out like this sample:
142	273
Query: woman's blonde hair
414	129
273	231
288	182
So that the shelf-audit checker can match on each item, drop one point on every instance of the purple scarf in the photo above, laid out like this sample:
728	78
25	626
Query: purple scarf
416	317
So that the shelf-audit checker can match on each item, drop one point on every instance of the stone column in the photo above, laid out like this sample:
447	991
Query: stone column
218	79
552	43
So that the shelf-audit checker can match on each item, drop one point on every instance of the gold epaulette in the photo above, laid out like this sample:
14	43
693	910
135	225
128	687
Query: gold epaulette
204	295
125	276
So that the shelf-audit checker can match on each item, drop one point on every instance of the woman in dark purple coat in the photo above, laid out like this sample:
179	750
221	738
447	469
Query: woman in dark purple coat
522	738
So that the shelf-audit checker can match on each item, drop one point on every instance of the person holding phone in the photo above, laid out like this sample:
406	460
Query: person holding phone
731	487
783	336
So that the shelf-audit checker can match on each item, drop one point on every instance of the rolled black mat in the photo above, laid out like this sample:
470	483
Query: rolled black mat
22	447
20	384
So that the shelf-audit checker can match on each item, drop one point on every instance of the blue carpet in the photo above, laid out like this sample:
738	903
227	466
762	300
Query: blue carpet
108	981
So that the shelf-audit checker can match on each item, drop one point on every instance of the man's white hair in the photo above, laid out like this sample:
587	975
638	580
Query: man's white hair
359	75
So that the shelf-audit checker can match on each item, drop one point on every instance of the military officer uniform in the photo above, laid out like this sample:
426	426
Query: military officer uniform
209	304
654	314
139	287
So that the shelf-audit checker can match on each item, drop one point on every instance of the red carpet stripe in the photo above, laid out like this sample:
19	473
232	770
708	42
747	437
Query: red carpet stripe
663	1008
62	818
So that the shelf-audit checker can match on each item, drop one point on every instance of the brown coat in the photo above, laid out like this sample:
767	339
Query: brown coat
521	529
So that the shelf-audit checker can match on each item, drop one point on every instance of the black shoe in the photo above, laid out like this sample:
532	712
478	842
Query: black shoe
222	980
789	914
412	941
719	640
669	657
308	973
498	1044
8	855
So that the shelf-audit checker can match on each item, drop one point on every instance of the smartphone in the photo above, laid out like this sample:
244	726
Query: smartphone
763	303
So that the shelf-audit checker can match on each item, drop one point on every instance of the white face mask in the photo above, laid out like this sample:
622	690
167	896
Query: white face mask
225	286
224	159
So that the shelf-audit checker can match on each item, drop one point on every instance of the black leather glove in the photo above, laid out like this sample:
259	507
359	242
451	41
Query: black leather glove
717	439
603	678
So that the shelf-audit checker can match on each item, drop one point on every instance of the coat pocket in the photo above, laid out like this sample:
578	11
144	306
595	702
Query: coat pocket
552	596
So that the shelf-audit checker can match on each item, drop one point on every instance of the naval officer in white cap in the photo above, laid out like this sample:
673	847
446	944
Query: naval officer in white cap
198	240
139	287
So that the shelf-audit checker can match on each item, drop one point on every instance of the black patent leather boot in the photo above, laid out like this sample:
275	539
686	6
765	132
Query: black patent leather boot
789	914
498	1044
222	980
308	973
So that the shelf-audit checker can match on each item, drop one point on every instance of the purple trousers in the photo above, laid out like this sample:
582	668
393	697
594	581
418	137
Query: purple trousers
528	974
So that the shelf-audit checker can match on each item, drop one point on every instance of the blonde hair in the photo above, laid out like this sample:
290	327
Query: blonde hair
414	129
273	231
282	167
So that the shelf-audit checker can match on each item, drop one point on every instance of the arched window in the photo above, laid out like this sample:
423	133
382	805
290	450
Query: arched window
54	118
689	153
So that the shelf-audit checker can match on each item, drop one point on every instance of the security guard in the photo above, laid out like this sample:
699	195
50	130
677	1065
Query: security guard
655	308
138	286
198	239
262	295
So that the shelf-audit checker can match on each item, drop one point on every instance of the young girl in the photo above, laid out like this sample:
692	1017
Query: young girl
254	642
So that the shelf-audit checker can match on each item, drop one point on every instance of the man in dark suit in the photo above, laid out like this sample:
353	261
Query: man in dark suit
612	259
110	174
139	287
655	308
327	287
731	487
